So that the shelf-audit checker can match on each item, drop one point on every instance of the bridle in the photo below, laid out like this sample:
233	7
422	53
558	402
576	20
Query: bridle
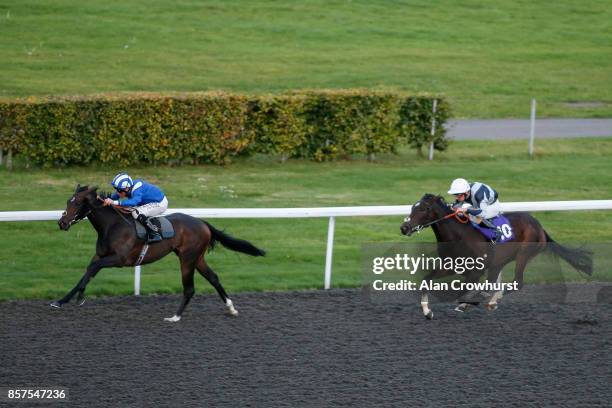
78	218
457	214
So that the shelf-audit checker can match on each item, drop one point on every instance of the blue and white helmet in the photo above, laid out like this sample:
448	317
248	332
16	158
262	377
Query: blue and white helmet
122	181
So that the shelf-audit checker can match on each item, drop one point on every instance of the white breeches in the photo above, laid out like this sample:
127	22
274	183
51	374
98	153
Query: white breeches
152	209
488	212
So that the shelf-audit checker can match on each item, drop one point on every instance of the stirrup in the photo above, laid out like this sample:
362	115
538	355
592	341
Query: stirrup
488	223
152	227
154	237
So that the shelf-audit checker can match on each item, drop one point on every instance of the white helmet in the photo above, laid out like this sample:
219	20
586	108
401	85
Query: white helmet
459	186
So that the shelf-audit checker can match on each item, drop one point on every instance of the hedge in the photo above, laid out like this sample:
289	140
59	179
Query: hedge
215	127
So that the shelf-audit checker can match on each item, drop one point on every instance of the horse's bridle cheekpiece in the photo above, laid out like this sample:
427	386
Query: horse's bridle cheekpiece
456	214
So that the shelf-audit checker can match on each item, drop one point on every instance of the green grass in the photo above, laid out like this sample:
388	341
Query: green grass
489	58
40	261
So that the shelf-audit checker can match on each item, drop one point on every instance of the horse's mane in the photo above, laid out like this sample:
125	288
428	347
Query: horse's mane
100	193
104	194
436	199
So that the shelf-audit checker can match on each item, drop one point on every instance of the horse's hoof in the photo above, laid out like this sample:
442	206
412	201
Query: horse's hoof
429	315
491	306
230	307
55	304
172	319
460	308
81	302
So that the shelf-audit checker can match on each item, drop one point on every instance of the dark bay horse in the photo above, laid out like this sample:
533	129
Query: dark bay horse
530	240
118	246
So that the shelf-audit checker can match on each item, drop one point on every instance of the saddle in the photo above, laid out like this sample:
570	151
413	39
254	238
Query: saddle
165	226
502	224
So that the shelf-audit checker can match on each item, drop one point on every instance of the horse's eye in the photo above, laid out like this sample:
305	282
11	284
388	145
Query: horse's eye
407	219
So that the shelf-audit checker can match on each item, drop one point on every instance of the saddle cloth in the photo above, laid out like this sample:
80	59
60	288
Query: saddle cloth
167	230
502	224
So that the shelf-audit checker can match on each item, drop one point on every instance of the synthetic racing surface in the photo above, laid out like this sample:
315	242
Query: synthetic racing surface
314	348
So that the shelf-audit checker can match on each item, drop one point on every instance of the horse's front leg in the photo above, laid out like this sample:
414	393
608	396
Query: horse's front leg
68	296
92	269
427	312
80	298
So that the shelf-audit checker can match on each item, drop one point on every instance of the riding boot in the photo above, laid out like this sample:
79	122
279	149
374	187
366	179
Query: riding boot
489	224
152	229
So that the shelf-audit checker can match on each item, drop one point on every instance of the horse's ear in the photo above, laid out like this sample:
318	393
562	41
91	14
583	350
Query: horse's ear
91	189
77	188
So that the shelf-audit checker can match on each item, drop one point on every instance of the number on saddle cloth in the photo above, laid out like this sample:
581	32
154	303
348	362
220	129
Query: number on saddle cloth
503	224
165	226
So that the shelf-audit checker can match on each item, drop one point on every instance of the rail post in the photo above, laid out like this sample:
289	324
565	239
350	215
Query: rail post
137	280
330	250
433	129
532	128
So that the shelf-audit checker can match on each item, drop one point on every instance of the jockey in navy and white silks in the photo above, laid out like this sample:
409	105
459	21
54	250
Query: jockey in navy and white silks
147	200
483	199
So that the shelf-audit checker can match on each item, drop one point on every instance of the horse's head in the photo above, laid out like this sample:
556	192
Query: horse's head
78	206
427	210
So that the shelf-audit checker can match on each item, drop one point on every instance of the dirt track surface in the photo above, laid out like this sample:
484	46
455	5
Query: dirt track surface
334	348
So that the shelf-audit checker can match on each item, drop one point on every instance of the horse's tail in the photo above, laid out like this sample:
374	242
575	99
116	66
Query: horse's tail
235	244
579	258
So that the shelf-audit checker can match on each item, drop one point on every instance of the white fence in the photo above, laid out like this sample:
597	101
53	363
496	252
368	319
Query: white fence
322	212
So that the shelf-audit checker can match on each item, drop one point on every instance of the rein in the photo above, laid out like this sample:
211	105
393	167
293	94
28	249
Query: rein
462	220
120	212
91	208
77	220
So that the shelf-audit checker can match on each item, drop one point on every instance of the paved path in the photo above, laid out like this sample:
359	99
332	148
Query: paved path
519	129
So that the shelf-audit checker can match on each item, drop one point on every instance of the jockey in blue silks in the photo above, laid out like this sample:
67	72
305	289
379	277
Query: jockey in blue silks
147	199
483	199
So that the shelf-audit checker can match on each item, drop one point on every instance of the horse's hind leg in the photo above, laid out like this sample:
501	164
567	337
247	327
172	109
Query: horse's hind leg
466	299
519	269
494	275
187	271
213	279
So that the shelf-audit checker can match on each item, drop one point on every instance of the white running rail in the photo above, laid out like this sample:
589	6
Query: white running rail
319	212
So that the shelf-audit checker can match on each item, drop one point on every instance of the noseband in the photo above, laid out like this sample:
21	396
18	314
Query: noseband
77	220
